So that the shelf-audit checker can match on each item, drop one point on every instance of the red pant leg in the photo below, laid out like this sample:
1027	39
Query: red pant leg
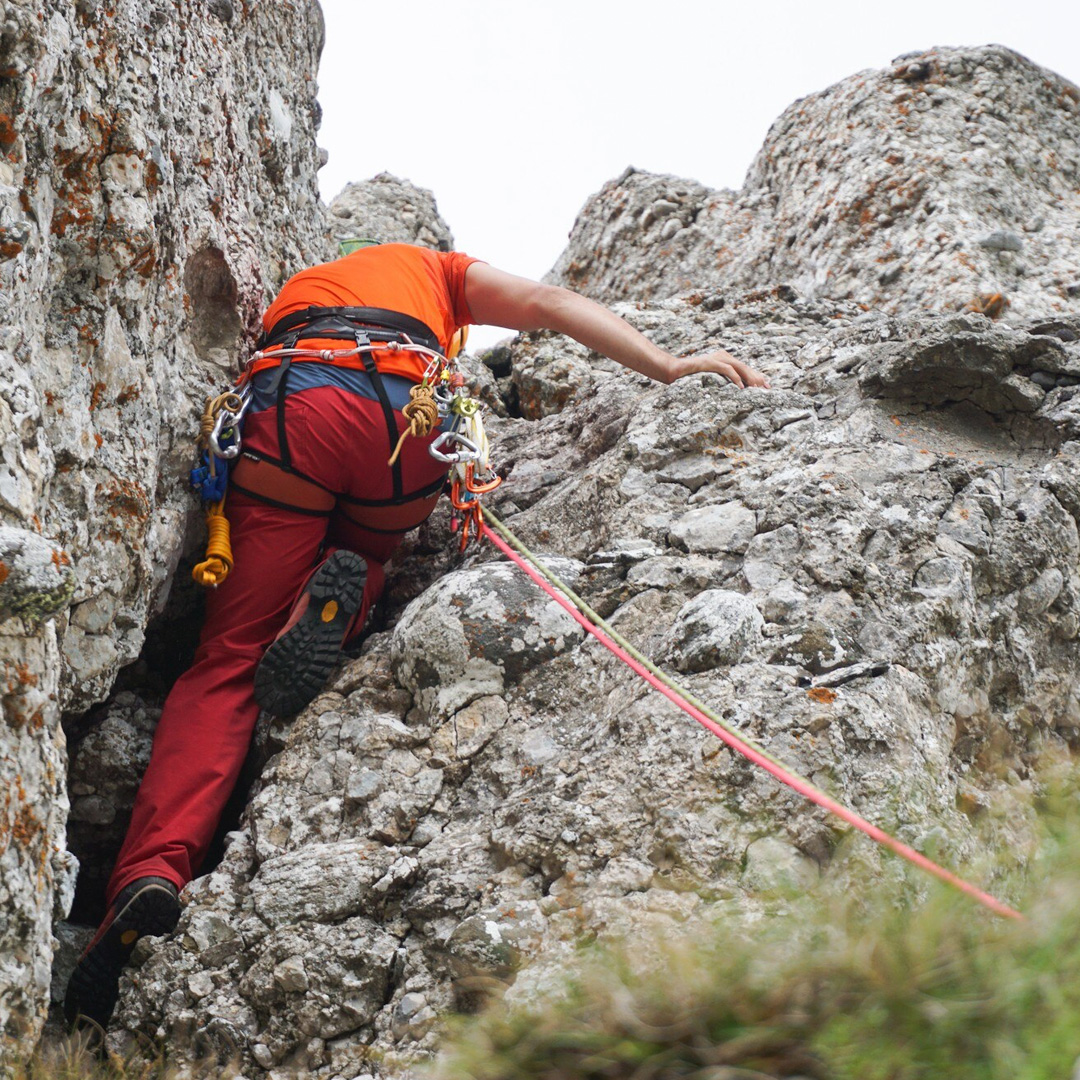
202	739
205	729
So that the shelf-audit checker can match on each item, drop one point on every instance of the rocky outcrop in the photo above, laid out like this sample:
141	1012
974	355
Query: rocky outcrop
390	211
872	568
157	182
948	181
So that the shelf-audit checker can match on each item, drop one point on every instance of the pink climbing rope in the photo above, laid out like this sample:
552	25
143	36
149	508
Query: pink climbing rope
783	775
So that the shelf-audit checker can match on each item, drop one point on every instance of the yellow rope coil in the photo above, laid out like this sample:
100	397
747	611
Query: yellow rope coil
422	412
214	569
219	557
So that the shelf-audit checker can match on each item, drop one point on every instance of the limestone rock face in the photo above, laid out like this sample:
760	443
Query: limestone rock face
948	181
872	568
389	210
157	182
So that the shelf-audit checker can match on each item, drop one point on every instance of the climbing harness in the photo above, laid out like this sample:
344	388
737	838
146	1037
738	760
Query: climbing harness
440	396
492	528
219	444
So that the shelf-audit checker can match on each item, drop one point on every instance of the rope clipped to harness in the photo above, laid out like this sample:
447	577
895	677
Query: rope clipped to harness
219	442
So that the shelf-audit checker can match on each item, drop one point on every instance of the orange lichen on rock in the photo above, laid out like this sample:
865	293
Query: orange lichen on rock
821	694
8	135
989	304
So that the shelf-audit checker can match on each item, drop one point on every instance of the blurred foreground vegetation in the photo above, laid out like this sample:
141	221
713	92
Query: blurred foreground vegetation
833	989
863	986
72	1059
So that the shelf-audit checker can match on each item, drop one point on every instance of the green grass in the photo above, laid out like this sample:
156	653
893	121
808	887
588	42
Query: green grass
867	989
68	1059
865	986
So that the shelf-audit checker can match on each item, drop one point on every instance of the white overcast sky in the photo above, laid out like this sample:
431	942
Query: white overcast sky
513	113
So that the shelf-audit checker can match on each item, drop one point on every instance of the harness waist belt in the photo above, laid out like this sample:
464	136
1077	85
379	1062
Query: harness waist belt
343	322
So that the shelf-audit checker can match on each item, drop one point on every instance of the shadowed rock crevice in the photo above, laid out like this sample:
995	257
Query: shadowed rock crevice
215	327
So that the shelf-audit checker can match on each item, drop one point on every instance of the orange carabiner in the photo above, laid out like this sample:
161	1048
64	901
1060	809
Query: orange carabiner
456	501
479	489
470	513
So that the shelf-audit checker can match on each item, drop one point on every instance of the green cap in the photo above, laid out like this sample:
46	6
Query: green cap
355	243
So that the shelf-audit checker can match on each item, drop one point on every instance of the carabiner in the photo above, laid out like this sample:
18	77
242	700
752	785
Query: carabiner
481	487
228	420
470	452
471	515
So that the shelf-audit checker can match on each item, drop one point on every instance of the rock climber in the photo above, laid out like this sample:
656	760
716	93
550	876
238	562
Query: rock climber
316	512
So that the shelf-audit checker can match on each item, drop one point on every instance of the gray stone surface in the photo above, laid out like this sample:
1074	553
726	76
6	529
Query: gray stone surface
949	180
157	183
871	568
894	613
716	628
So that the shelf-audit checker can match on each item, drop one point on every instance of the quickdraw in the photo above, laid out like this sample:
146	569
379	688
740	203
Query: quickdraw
471	474
465	447
465	494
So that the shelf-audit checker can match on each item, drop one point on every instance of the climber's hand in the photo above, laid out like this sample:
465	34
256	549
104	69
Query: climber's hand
723	363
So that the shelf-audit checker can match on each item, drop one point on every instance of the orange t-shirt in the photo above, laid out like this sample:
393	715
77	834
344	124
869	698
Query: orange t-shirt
428	285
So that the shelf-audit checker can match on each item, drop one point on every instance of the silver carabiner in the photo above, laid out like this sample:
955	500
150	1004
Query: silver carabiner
471	451
444	399
231	421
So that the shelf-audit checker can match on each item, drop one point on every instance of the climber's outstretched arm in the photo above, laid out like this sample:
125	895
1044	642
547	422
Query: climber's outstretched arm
500	299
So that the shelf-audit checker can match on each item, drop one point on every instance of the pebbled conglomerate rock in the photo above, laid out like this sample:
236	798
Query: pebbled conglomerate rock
949	181
157	183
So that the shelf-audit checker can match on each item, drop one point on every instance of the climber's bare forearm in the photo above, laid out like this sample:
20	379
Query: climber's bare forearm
501	299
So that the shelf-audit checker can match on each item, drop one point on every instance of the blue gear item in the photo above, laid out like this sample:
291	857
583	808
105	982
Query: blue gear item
210	488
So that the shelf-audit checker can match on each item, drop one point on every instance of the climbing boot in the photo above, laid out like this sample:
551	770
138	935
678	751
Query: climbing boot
148	907
296	666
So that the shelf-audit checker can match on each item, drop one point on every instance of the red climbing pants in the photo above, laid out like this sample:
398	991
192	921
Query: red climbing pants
339	439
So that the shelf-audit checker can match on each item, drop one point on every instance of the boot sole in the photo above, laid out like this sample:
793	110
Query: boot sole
294	670
95	983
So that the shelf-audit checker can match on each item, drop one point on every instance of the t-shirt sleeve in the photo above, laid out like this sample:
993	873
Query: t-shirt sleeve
454	265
